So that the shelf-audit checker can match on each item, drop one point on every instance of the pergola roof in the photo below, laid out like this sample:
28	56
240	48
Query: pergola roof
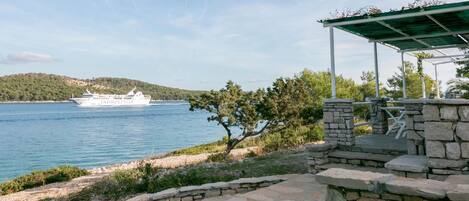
433	27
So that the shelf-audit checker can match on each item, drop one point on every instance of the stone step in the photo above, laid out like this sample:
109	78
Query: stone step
408	163
361	156
352	167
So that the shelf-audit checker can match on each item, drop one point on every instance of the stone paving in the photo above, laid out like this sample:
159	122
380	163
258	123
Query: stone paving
299	188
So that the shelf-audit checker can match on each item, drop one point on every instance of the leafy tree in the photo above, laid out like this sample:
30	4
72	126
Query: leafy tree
413	83
254	113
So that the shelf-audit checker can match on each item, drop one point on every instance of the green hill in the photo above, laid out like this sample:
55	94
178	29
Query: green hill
49	87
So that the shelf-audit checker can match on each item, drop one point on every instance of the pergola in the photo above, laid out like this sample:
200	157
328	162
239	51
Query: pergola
418	29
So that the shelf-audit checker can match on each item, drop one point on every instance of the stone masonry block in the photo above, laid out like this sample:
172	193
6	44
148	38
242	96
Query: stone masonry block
464	113
453	150
409	122
439	131
328	117
431	113
435	149
449	113
462	131
465	149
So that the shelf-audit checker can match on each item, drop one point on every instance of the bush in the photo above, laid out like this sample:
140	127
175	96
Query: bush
218	157
292	137
40	178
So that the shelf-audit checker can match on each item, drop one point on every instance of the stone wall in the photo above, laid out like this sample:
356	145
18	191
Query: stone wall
446	137
318	154
414	127
211	190
338	122
346	185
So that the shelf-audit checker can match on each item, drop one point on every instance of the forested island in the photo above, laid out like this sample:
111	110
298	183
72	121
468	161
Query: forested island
50	87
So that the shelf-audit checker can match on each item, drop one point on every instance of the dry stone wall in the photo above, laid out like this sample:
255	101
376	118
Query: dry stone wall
211	190
414	128
318	154
347	185
447	137
338	122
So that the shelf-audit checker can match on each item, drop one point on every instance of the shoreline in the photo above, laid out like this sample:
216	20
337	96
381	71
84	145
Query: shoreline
68	101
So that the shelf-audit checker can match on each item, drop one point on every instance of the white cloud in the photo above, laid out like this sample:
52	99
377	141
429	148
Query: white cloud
26	58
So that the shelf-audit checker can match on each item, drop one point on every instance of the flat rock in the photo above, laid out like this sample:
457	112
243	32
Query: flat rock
458	179
439	131
460	193
425	188
408	163
352	179
361	156
445	163
319	147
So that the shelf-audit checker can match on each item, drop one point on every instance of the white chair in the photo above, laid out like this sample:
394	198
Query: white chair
399	121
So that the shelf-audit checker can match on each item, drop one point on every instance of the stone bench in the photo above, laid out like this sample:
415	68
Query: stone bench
360	185
413	166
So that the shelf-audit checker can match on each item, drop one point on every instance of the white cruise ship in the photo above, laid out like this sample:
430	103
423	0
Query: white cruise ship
95	100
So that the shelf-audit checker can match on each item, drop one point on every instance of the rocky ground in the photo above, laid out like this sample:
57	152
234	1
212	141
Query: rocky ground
64	188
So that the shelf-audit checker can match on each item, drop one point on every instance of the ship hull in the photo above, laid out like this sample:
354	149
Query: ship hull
92	102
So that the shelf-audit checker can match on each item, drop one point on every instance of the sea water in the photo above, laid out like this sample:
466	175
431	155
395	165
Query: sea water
40	136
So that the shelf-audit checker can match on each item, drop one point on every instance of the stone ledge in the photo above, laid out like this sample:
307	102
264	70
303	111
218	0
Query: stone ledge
212	189
353	179
385	184
408	163
437	101
319	147
460	193
361	156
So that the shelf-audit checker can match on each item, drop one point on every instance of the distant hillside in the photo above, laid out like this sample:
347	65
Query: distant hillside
48	87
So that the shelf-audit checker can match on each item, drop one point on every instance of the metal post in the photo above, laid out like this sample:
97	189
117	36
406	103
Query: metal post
437	82
376	71
331	38
404	86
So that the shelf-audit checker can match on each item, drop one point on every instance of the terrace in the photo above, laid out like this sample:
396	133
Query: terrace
424	139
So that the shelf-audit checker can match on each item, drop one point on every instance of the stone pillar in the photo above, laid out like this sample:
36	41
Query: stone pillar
378	117
414	129
338	122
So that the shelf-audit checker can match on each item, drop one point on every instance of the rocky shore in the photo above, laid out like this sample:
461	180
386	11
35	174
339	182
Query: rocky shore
56	190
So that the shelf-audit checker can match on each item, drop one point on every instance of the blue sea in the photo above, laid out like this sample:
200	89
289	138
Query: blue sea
40	136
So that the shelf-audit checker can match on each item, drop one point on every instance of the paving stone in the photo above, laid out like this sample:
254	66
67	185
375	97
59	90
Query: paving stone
439	131
449	113
352	179
425	188
464	113
445	163
462	131
408	163
465	150
453	150
460	193
431	113
435	149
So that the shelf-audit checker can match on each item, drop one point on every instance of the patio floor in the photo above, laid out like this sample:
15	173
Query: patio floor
300	188
375	143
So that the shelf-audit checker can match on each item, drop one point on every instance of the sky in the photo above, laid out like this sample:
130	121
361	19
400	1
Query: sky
192	44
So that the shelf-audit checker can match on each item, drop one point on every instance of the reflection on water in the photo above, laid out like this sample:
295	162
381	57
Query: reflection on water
39	136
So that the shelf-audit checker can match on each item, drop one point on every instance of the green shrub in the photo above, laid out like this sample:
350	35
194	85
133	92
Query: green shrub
40	178
250	154
291	137
362	130
218	157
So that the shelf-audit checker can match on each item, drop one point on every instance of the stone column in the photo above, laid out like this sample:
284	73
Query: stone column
338	122
414	130
378	117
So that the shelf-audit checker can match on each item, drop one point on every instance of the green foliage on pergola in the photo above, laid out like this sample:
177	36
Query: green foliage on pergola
433	27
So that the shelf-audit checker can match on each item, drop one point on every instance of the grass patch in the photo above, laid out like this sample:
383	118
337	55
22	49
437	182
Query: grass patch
41	178
123	184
